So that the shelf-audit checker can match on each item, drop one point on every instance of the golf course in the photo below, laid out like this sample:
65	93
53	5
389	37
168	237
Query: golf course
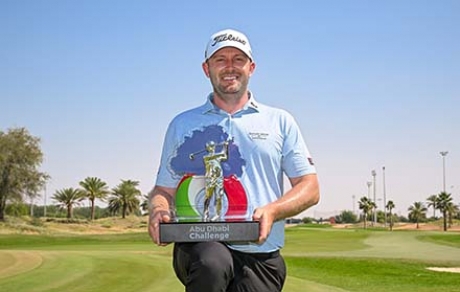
319	259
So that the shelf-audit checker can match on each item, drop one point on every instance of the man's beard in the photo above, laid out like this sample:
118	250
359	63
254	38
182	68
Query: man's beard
233	91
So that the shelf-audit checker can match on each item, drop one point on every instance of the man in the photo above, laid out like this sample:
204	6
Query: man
264	144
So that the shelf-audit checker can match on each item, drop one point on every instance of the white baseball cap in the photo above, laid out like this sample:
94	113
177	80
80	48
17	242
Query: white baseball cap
228	38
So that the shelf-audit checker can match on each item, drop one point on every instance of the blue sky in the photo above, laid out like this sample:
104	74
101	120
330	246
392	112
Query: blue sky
371	84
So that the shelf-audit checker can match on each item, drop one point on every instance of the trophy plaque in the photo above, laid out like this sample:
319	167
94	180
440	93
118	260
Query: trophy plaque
210	207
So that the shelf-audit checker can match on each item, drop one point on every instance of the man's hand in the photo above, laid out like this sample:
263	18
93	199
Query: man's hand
161	198
155	218
266	218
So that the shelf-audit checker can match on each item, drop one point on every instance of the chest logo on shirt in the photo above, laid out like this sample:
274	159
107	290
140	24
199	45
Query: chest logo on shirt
258	136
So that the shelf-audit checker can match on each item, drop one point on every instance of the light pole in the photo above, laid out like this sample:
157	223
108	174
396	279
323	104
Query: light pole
384	197
44	205
443	154
369	189
375	200
353	197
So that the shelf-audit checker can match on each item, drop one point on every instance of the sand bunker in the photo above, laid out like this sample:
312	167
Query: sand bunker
450	270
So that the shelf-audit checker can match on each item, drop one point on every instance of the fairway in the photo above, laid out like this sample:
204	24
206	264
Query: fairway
318	260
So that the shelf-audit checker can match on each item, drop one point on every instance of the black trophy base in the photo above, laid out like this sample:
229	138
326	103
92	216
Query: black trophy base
240	231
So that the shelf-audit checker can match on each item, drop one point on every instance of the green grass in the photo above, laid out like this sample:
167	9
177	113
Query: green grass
372	275
318	260
309	240
134	241
445	239
94	271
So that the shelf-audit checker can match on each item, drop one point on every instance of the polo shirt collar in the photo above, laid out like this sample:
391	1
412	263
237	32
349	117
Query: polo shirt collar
250	106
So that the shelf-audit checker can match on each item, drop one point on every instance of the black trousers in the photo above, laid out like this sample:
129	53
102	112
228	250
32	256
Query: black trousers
213	267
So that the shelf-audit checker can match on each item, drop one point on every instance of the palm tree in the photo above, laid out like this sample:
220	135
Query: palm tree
94	188
432	203
145	203
125	198
390	206
452	210
442	203
373	210
365	204
417	212
67	198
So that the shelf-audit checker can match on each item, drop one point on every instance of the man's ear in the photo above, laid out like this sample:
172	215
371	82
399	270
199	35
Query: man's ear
252	68
205	68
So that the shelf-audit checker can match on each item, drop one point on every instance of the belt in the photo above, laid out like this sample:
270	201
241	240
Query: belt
261	255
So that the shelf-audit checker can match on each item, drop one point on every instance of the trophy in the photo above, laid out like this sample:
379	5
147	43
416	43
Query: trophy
210	207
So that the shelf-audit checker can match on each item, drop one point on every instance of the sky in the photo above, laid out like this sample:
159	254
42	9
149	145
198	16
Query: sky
372	85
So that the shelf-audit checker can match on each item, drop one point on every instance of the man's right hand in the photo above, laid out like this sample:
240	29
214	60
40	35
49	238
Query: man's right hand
160	200
156	217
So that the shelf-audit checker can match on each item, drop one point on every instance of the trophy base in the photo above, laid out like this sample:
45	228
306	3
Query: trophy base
240	231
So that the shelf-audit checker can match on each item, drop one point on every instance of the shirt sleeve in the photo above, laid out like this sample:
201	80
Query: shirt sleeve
166	176
296	160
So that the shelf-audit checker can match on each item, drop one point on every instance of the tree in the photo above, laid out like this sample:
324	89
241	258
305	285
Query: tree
417	212
94	188
452	210
346	216
374	207
145	203
442	204
31	191
68	198
432	203
20	157
390	206
125	198
366	205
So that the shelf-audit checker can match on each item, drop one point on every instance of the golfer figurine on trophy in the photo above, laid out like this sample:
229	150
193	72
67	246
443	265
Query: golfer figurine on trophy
214	179
213	224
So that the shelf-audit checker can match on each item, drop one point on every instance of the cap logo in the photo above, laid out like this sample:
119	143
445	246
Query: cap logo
227	37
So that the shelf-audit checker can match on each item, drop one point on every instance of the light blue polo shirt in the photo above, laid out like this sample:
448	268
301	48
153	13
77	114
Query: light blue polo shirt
264	143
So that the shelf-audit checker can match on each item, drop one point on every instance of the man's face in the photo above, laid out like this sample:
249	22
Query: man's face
229	70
